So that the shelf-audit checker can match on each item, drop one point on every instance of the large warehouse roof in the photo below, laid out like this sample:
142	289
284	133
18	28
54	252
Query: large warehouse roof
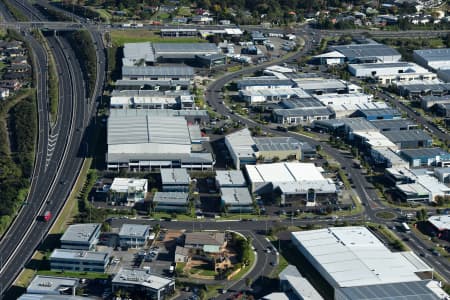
353	256
284	172
366	50
398	136
137	128
434	54
277	144
183	48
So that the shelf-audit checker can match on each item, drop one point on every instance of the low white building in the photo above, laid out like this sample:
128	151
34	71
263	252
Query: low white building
51	285
390	73
294	181
79	260
128	190
150	99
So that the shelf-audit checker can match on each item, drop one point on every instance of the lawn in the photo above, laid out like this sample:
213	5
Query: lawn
385	215
245	269
120	37
87	275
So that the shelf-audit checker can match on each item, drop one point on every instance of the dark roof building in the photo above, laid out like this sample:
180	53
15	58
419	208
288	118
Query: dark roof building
426	157
409	139
394	124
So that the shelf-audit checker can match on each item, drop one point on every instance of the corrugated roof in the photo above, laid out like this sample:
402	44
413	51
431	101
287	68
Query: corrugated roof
165	48
167	71
171	198
175	176
398	136
361	51
307	111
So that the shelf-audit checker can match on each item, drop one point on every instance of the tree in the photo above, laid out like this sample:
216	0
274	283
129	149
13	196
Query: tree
248	282
421	215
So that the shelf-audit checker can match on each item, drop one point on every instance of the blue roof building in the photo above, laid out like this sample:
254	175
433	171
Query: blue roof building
377	114
426	157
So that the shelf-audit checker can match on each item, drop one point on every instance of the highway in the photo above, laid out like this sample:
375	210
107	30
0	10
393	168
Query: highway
53	180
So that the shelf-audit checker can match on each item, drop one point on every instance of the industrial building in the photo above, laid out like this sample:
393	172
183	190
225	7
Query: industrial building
391	73
158	74
157	85
444	75
301	116
178	32
395	124
388	158
151	99
370	52
319	86
128	191
171	201
409	139
81	236
175	180
230	178
147	53
265	95
236	199
434	59
357	265
377	114
292	282
443	174
442	110
140	140
51	285
292	181
245	149
427	102
263	82
441	226
426	157
419	88
79	260
344	99
329	58
143	282
133	235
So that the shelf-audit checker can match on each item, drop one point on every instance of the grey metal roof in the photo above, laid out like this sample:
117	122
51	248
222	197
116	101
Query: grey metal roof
263	82
230	178
423	152
182	71
431	98
366	50
434	54
135	230
28	296
379	111
80	232
147	93
301	102
400	64
236	196
424	87
143	83
392	124
182	48
398	136
171	198
415	290
175	176
277	144
298	112
136	126
204	157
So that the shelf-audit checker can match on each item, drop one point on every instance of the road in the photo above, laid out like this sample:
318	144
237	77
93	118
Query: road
52	181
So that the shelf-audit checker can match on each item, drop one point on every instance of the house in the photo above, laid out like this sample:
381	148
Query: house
211	242
4	93
182	254
133	235
128	190
152	286
171	201
175	180
13	85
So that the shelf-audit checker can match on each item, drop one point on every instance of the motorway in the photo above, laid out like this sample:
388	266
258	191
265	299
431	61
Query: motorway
53	180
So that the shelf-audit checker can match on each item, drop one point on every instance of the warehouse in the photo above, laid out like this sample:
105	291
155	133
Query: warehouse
301	116
388	158
81	236
264	95
434	59
409	139
329	58
240	145
444	75
263	82
368	53
357	265
395	124
159	85
321	86
293	181
426	157
344	99
177	32
143	282
427	102
230	178
141	140
128	191
419	88
236	199
79	260
175	180
443	174
282	148
377	114
390	73
442	110
133	235
149	99
171	201
161	73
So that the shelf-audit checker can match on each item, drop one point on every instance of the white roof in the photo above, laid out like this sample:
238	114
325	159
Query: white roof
299	284
283	172
275	296
50	284
267	92
233	31
143	278
135	230
81	232
122	185
79	255
236	196
134	52
353	256
376	139
332	54
230	178
280	69
441	222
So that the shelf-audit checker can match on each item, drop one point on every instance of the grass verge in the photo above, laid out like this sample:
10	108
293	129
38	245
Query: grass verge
87	275
120	37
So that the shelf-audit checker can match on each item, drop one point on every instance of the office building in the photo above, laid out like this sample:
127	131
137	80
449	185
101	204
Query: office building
79	260
171	201
133	235
230	178
141	281
81	236
52	285
128	191
175	180
150	99
236	199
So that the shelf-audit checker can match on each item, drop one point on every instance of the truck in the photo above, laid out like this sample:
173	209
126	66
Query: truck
47	216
